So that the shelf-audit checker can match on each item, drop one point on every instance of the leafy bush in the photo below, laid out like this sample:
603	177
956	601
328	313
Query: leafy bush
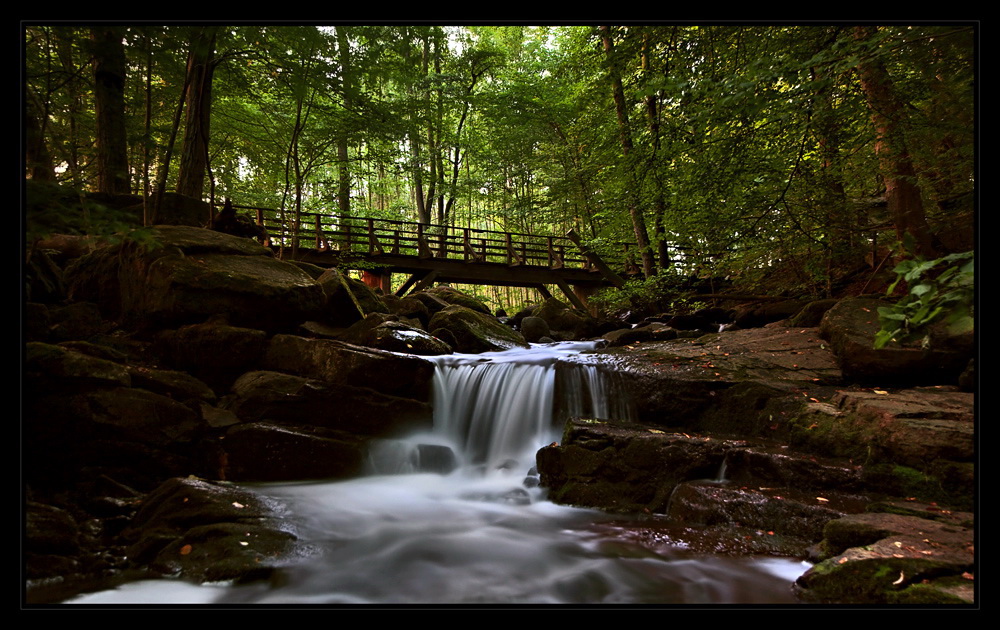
658	293
939	290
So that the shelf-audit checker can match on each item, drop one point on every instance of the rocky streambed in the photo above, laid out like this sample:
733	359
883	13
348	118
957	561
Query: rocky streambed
156	377
751	432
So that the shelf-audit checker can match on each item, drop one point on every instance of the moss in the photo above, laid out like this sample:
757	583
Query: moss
905	481
924	594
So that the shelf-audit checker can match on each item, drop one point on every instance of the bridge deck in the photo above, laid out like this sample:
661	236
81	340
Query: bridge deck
451	254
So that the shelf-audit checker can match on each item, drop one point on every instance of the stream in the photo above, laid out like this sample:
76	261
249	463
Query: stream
483	533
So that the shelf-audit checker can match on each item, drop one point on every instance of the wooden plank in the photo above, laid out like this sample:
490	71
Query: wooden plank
572	297
425	282
544	291
606	271
401	291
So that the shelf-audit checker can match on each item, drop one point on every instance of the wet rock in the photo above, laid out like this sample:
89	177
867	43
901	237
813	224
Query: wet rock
850	327
649	332
214	351
455	297
409	308
623	467
294	400
263	451
338	362
774	510
890	558
476	332
534	328
564	322
812	313
385	332
206	531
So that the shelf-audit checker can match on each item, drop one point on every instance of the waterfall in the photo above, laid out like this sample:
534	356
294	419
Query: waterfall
479	535
495	410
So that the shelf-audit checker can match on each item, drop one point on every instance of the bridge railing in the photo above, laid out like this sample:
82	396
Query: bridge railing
372	237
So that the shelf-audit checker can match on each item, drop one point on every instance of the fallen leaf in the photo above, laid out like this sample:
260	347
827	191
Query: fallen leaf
185	550
655	431
880	391
244	543
842	561
238	505
968	576
822	500
900	580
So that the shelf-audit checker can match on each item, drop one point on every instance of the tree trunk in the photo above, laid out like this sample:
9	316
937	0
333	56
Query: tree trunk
36	152
194	153
901	190
343	164
109	105
618	93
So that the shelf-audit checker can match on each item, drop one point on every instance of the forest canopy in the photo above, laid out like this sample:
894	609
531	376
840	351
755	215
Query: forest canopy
731	149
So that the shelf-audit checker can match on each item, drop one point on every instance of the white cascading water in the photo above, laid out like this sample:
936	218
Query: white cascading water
478	534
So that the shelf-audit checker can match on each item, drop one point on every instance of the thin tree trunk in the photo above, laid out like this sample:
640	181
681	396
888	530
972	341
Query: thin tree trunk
618	93
343	156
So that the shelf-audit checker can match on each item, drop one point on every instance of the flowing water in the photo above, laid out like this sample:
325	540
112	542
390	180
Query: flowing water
482	533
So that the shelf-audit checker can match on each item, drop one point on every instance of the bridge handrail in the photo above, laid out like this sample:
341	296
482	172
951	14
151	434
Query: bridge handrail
374	236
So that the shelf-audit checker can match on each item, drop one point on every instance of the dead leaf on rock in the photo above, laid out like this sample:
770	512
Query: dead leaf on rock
900	580
185	550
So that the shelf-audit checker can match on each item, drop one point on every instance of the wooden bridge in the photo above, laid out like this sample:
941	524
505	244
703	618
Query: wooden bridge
440	253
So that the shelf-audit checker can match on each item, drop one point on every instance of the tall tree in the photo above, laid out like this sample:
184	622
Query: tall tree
625	137
109	105
194	154
887	112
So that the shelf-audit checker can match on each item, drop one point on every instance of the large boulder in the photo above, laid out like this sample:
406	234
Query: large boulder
337	362
294	400
385	332
184	275
476	332
264	451
204	531
214	351
456	297
564	322
850	327
347	300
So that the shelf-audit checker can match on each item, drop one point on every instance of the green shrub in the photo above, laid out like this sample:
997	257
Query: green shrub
939	290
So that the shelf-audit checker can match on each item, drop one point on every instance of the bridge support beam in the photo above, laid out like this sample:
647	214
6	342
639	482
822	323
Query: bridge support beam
422	281
571	296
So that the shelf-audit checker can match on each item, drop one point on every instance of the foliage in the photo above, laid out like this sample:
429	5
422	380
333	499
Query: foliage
939	290
752	147
662	292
